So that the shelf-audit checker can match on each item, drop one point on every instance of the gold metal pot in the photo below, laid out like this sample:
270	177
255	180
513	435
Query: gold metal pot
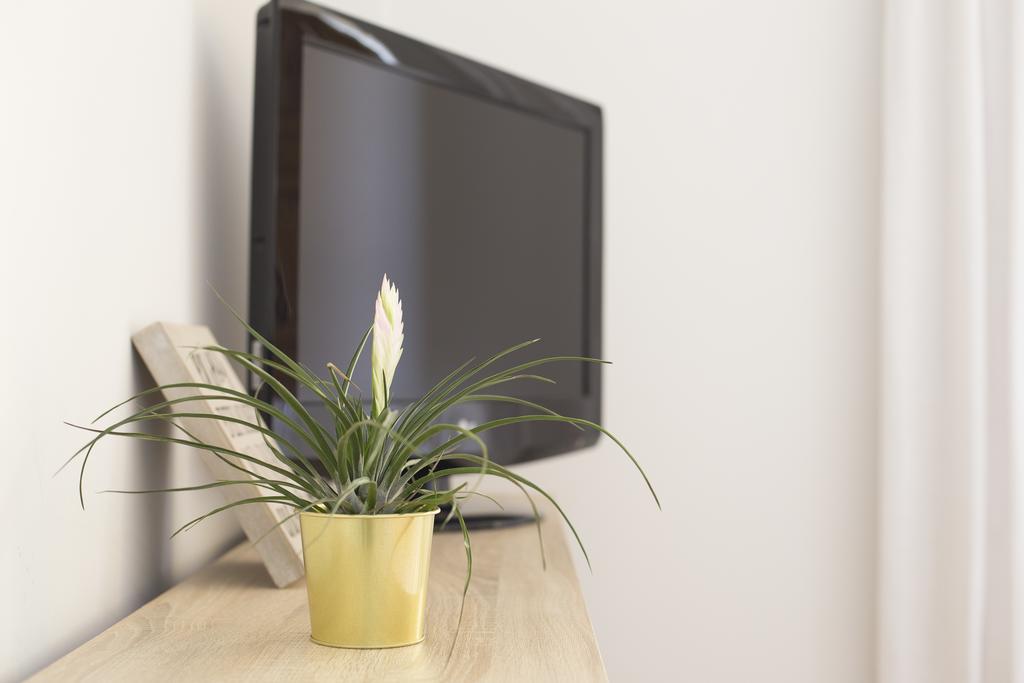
366	577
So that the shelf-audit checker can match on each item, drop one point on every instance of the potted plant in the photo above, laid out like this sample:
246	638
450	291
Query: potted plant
365	486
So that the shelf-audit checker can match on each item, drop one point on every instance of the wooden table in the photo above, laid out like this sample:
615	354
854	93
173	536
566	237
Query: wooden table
229	623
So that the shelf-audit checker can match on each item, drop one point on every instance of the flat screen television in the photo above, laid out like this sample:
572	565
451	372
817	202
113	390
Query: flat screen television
478	193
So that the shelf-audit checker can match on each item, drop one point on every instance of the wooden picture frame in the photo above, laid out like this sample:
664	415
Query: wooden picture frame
174	354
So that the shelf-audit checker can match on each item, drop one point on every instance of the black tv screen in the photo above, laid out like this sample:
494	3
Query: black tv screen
477	193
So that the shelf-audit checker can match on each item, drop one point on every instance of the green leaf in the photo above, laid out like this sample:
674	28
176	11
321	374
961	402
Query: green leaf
374	463
222	508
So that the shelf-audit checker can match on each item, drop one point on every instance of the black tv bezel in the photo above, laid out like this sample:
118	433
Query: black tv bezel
283	28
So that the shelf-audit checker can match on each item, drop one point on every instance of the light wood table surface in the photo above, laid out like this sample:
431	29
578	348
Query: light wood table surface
229	623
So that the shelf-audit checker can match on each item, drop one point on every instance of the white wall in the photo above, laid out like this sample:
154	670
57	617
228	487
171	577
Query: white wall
122	192
740	261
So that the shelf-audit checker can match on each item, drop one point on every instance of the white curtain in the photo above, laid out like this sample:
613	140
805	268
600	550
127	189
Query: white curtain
951	521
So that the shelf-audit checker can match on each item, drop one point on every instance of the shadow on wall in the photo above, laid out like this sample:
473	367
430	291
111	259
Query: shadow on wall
150	470
222	130
221	124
